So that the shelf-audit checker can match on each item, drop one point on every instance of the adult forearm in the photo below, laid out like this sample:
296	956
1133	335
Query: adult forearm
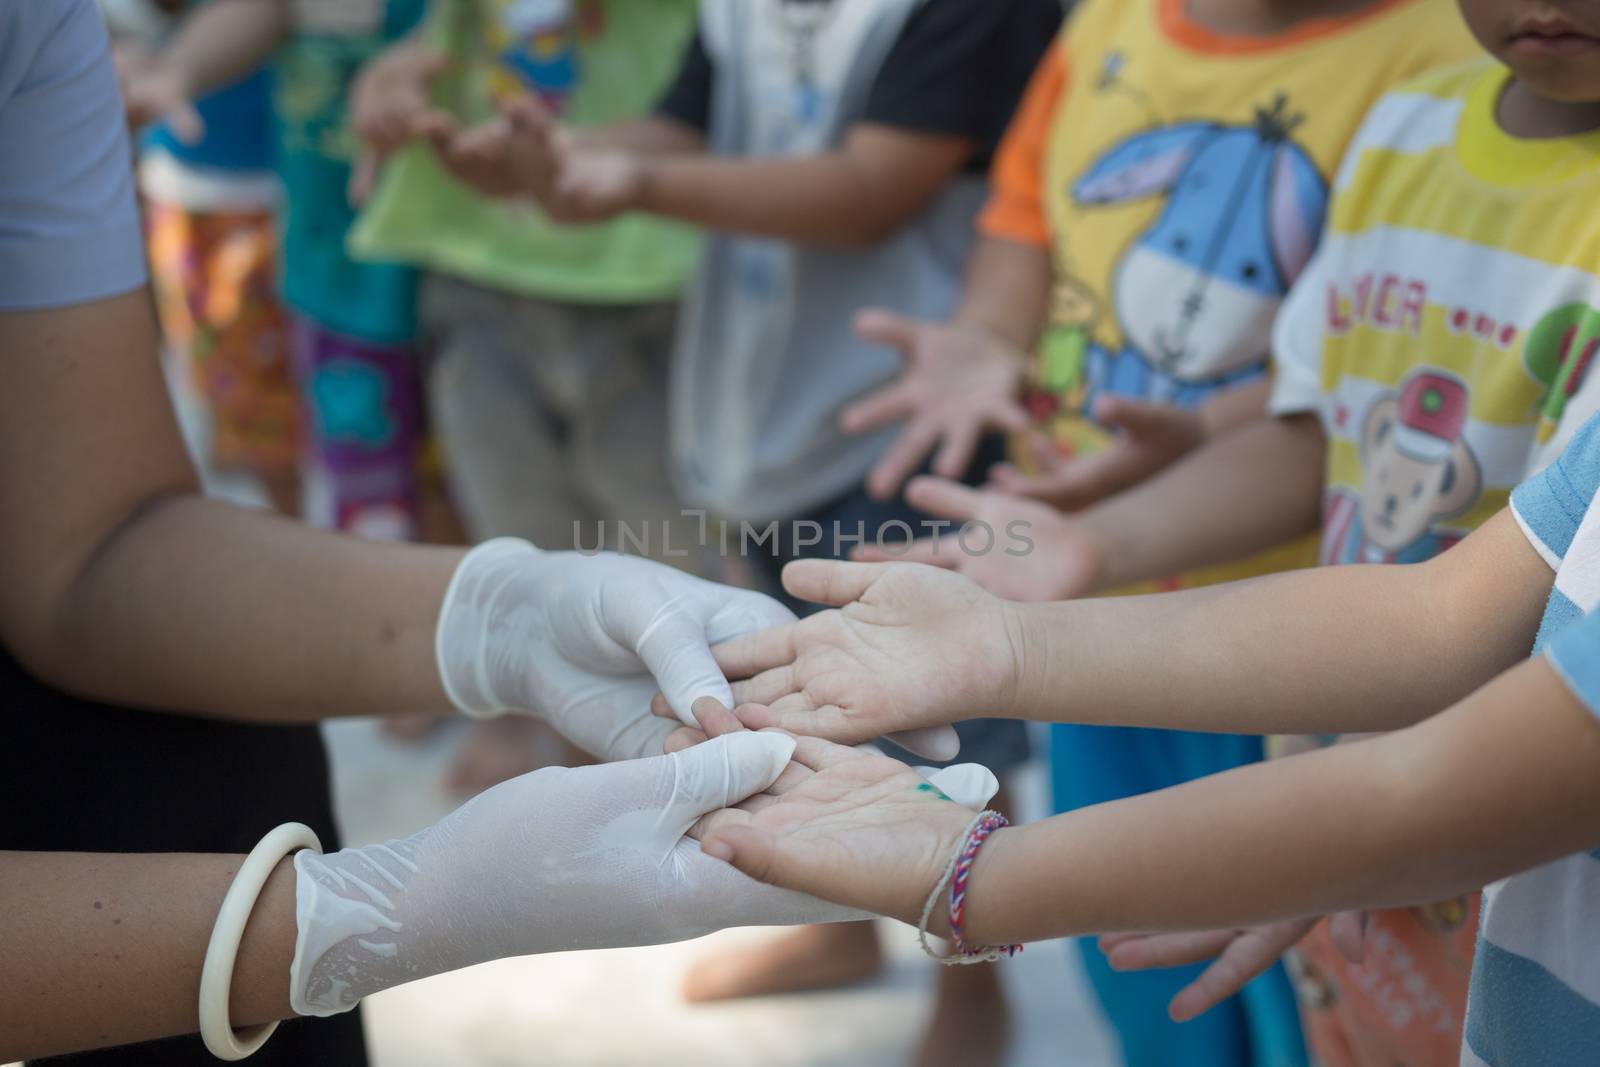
1007	291
106	949
1328	650
261	618
225	40
1243	493
1507	780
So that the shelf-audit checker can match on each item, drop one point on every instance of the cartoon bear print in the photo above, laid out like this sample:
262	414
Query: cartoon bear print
1417	470
1195	295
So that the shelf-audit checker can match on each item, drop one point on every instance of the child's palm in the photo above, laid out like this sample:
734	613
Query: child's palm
911	648
862	830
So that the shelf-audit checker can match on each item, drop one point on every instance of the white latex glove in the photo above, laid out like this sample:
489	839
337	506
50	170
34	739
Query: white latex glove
585	641
560	859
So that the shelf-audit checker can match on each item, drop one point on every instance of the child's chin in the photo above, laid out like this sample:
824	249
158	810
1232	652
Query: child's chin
1566	80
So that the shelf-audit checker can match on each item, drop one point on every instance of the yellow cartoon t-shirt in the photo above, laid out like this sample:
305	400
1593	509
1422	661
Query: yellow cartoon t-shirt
1445	329
1180	178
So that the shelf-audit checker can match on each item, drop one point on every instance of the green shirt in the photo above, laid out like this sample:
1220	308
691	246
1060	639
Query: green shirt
609	61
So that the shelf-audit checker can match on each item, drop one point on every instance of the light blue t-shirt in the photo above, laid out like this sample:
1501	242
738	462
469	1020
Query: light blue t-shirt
69	226
1535	998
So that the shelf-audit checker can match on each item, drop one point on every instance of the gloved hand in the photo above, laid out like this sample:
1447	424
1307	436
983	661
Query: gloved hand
585	641
577	638
560	859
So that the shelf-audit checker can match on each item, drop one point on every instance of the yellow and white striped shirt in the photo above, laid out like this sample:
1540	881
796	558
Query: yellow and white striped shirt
1446	324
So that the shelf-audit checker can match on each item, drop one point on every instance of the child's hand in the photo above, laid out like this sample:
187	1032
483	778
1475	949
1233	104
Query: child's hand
1237	956
154	91
959	382
854	828
388	100
911	648
1150	438
525	152
1035	553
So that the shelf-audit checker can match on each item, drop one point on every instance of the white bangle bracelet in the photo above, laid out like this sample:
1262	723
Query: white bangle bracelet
216	977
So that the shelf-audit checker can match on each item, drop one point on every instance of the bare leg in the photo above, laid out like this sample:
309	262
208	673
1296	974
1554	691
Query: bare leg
814	957
513	745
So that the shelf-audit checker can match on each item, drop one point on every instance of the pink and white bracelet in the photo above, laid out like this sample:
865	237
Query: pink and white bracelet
956	875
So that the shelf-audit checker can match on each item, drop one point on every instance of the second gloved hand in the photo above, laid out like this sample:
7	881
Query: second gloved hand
560	859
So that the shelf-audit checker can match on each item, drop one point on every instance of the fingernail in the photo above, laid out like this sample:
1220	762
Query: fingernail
717	850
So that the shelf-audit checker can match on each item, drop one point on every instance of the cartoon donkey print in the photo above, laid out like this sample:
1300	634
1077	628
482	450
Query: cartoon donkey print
1196	293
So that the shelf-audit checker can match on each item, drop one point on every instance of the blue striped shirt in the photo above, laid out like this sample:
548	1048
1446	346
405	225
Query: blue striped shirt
1535	996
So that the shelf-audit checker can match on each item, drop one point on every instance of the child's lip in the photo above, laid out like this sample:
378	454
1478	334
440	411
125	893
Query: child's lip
1568	43
1547	28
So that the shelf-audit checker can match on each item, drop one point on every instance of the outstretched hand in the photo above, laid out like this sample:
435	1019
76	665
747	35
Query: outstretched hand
526	152
388	101
1237	956
154	91
1016	548
1149	438
959	382
909	649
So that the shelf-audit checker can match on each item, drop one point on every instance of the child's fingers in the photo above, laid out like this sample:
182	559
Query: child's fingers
942	552
892	403
746	849
747	656
1011	416
831	582
528	113
183	118
904	457
766	687
364	175
682	738
715	719
960	445
1348	932
718	820
819	755
661	708
881	327
940	743
1143	952
1239	963
793	777
945	498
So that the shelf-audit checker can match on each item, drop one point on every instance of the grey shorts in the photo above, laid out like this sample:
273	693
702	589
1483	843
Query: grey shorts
552	417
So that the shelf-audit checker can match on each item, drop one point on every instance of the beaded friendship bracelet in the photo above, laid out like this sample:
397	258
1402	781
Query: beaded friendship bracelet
956	874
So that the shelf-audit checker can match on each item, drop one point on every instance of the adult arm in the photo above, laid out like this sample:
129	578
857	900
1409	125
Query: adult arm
104	949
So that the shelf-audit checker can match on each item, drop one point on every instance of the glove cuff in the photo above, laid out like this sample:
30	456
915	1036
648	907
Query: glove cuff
461	640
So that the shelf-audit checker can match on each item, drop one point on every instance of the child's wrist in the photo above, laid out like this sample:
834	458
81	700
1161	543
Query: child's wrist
982	923
646	184
1030	696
